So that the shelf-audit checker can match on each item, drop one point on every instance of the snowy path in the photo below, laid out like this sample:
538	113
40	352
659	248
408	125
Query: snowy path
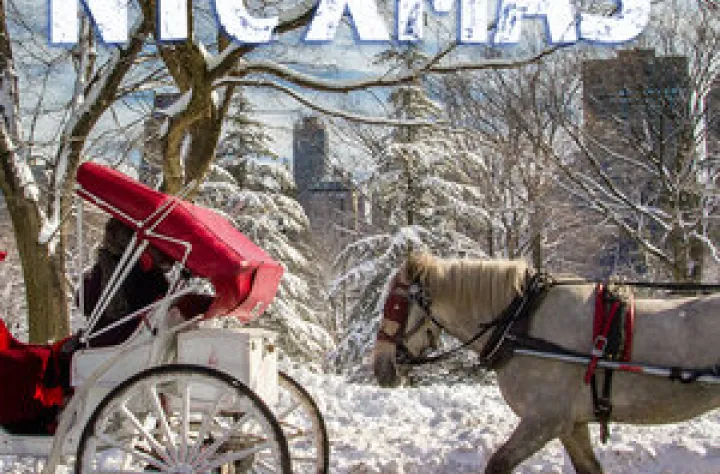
453	430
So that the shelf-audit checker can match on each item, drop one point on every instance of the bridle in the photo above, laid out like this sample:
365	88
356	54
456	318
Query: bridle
397	308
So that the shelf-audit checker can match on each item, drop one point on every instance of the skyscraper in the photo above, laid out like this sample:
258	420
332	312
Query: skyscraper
638	97
329	196
637	120
310	153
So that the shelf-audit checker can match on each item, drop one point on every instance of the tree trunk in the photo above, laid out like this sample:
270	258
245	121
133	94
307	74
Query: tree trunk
205	135
44	275
43	270
537	231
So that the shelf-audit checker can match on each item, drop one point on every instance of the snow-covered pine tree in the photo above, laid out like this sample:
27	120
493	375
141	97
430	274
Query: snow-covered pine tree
256	193
244	138
423	200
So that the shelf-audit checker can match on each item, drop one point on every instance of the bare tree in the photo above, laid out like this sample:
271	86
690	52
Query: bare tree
205	75
623	143
38	220
506	115
640	158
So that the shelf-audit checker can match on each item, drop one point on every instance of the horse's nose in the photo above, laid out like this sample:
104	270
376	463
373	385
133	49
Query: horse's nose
386	372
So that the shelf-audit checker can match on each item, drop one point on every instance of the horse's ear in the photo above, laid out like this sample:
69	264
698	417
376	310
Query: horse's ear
415	265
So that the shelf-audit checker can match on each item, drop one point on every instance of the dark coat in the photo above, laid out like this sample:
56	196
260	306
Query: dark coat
140	289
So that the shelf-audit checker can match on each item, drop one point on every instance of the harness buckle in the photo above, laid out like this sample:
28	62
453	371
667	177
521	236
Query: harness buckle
599	345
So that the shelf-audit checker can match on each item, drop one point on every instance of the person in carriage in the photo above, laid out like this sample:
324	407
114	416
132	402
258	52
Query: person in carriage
146	283
40	374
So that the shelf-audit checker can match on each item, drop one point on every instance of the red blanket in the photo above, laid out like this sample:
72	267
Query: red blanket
31	386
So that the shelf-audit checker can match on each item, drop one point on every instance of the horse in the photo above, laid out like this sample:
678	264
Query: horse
549	396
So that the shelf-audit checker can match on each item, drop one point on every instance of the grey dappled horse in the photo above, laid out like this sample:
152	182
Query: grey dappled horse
550	396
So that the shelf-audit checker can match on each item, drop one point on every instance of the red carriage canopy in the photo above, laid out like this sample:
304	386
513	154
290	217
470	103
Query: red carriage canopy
244	276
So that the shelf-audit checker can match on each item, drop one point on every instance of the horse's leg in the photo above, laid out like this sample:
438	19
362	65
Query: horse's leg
578	446
528	438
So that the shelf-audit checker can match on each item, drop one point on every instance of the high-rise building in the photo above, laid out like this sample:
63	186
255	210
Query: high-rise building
635	98
310	153
636	109
330	198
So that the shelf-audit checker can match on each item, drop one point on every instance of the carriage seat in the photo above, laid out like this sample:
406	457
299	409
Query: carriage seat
33	376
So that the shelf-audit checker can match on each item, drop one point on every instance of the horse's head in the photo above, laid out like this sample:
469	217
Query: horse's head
405	330
429	294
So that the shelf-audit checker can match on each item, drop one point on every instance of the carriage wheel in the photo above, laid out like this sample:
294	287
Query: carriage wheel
303	426
182	419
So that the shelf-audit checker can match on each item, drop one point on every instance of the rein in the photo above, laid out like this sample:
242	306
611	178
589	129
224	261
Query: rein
519	308
502	324
702	287
419	297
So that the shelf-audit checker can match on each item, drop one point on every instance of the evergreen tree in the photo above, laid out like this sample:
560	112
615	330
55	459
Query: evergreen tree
256	193
266	212
425	200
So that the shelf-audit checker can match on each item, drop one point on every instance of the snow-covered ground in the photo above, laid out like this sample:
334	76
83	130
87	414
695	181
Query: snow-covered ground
453	430
445	429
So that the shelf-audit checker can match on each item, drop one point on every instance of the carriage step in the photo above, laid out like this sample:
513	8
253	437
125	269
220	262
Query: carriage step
25	445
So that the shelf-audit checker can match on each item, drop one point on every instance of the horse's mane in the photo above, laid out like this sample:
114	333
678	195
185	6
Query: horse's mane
471	285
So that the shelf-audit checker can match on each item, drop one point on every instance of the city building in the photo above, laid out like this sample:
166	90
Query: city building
330	198
310	154
637	106
622	95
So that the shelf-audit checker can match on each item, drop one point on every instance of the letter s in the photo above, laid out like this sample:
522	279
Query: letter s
630	19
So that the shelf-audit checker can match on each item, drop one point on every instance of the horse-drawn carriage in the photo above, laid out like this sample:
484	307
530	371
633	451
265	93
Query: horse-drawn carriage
177	397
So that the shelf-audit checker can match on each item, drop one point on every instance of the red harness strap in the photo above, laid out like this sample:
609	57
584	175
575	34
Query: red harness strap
601	327
395	310
602	324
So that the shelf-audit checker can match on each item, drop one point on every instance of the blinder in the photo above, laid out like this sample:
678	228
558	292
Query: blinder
396	312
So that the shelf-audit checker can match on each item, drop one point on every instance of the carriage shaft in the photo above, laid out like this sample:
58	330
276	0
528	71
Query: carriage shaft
669	372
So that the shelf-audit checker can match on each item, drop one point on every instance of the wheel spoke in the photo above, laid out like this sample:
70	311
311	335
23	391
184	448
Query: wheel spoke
205	424
184	422
182	418
303	427
264	467
226	434
286	412
304	460
132	452
233	457
148	436
294	432
162	420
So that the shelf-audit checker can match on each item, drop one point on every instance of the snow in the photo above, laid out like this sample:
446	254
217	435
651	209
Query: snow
178	106
453	429
444	429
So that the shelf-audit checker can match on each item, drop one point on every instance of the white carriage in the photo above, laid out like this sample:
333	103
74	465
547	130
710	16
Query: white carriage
175	397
